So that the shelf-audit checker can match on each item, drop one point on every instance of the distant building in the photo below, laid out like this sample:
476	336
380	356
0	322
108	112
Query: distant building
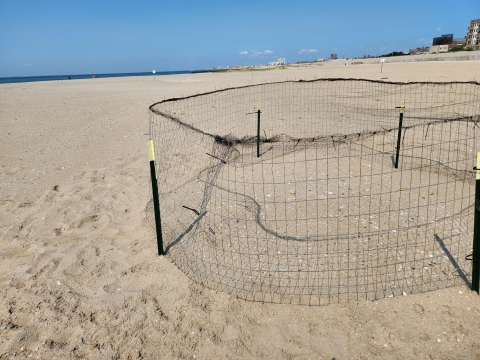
473	35
458	41
420	50
447	40
436	49
334	57
443	40
280	61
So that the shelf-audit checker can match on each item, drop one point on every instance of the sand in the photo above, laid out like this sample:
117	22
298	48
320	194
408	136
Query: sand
79	273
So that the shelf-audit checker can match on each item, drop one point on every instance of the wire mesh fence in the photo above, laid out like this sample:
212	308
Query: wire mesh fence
320	214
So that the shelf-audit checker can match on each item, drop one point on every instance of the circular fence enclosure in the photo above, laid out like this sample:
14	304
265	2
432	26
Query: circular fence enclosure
318	213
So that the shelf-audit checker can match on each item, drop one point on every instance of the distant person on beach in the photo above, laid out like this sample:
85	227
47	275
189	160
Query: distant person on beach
69	78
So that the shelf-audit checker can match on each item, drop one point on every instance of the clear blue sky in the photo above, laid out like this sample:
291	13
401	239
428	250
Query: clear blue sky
49	37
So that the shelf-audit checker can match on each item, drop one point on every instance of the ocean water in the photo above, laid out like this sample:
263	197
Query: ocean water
22	79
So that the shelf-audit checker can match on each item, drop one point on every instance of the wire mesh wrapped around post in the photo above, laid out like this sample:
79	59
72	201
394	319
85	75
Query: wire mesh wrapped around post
322	215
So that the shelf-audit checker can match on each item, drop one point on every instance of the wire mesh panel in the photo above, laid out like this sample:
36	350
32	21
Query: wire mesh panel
321	215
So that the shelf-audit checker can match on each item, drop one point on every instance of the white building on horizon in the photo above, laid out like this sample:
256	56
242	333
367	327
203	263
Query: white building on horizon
280	61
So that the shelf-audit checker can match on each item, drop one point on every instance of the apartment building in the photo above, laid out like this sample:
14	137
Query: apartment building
473	35
280	61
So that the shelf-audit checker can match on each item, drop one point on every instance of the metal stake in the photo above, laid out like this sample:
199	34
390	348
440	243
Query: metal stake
156	202
258	133
402	108
476	232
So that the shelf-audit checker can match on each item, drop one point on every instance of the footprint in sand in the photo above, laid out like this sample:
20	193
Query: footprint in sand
87	220
418	309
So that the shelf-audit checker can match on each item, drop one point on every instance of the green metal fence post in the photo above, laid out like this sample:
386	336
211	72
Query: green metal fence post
258	130
400	121
156	202
476	232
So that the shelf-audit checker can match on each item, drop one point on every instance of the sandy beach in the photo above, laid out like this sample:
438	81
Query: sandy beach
80	276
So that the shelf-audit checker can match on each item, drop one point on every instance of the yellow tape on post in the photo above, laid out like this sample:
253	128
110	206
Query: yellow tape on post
478	166
402	106
151	150
259	103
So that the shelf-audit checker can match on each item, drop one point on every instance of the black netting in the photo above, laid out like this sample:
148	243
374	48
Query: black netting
322	214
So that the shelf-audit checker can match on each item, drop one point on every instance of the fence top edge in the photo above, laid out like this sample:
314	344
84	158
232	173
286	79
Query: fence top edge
473	82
